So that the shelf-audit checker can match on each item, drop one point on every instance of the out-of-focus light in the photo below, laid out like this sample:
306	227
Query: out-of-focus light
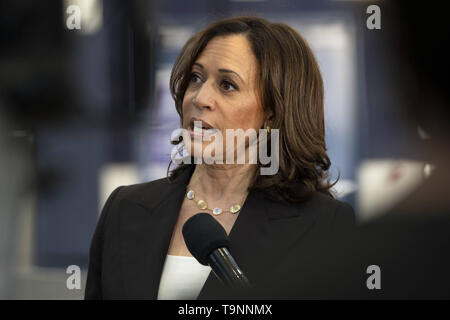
428	170
385	182
422	133
174	37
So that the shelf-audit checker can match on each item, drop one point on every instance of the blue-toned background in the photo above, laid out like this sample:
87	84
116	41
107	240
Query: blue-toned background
84	111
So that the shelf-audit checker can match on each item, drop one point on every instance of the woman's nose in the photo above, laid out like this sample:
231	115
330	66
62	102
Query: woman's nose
205	97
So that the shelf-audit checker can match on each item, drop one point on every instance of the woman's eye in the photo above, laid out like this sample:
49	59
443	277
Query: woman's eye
228	86
195	78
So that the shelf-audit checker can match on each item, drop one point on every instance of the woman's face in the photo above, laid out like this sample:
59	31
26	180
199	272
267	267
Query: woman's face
222	91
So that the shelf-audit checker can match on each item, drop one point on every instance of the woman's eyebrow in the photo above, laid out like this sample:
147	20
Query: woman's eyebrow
220	70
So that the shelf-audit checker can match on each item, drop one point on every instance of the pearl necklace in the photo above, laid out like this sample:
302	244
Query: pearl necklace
202	205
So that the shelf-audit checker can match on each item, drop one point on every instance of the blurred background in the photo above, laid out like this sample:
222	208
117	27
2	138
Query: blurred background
85	107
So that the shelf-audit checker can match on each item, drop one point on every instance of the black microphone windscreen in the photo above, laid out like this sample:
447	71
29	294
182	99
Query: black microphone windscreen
202	235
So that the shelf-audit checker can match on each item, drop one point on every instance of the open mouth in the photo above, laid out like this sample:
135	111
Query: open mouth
199	124
198	127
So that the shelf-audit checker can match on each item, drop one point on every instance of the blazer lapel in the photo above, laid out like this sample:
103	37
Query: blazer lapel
264	232
145	233
262	235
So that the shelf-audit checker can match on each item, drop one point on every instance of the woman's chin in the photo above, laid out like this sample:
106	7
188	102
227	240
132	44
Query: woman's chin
207	156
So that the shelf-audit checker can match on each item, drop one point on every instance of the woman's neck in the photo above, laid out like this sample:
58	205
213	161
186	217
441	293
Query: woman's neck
217	182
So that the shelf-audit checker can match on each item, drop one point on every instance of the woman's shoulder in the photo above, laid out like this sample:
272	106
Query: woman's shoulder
146	194
137	188
155	189
324	202
317	201
319	207
331	209
326	208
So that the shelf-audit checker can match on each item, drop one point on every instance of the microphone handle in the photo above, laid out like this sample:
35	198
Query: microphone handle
226	269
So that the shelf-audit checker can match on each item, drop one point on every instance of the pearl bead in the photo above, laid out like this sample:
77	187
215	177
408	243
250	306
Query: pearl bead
190	195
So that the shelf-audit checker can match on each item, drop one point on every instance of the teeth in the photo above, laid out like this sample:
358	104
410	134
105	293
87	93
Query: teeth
200	125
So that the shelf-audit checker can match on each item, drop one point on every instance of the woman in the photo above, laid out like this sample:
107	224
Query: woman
238	73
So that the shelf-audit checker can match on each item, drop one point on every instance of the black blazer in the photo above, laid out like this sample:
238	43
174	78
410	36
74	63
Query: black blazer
276	244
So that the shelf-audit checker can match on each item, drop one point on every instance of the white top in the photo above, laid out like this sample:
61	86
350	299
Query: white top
182	278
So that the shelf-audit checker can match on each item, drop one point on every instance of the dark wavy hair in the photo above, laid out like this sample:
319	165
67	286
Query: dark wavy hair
291	92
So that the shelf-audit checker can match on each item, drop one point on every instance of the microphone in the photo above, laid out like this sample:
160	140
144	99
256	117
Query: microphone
208	242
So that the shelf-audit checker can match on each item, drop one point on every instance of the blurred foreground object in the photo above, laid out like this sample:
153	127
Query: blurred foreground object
404	252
